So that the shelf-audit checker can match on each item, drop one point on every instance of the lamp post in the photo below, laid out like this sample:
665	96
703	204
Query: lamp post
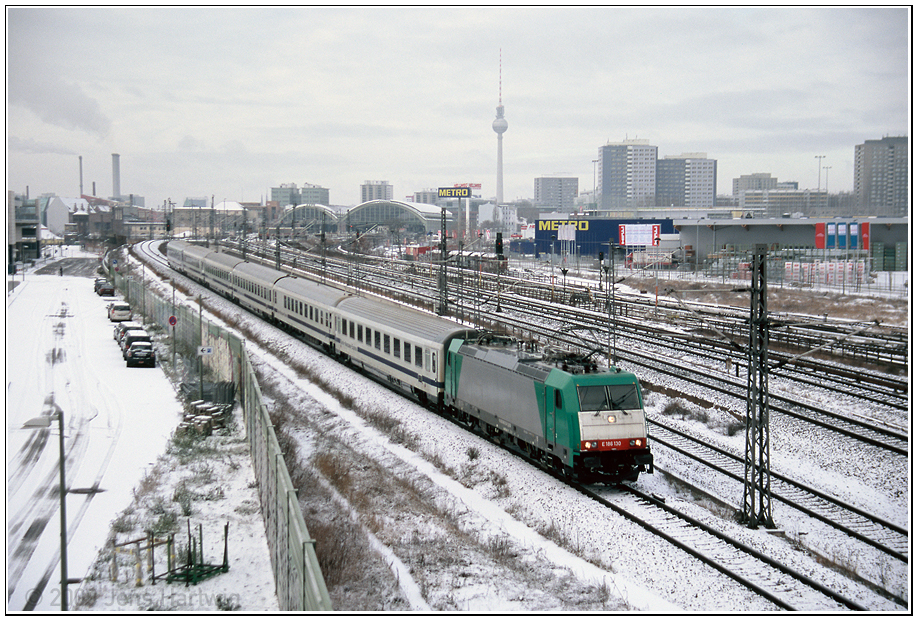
44	421
819	172
595	201
553	268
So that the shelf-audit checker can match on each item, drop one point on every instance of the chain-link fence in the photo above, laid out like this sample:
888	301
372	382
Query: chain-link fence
297	576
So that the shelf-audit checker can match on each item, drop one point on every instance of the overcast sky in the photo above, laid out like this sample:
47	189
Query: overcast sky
229	102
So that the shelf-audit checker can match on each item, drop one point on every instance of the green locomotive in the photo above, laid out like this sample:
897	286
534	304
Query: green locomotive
559	408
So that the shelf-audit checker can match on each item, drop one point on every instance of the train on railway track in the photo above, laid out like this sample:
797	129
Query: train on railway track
557	408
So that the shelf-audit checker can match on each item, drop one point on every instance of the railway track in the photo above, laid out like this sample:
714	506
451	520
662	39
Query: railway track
854	522
766	576
893	440
582	328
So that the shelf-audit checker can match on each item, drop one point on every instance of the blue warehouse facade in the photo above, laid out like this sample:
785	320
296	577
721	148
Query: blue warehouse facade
593	235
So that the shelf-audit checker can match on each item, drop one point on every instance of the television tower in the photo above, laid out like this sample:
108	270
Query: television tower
500	126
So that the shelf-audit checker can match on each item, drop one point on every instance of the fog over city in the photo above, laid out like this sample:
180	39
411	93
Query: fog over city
229	102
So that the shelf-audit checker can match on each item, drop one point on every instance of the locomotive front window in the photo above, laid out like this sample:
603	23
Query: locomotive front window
616	397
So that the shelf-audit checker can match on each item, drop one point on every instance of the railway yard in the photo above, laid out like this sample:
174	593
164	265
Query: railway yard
439	518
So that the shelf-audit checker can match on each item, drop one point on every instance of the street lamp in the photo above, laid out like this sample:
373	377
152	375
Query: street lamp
819	172
553	237
41	422
656	280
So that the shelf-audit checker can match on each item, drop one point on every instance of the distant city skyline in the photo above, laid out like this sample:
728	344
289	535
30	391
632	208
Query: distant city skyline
232	113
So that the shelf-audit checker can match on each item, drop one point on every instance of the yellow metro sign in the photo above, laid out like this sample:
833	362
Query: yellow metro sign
454	192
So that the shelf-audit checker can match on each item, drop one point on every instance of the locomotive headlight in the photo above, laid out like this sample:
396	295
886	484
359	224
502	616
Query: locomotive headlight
611	418
638	442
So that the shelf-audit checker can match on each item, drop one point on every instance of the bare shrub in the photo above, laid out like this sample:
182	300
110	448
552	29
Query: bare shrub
500	483
334	468
341	551
500	548
735	427
676	408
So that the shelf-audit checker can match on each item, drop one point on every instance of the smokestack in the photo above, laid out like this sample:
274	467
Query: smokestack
93	188
116	177
81	175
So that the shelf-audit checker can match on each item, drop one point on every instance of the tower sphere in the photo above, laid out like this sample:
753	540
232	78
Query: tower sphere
499	125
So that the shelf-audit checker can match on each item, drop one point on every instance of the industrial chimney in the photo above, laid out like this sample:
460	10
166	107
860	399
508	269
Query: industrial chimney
116	177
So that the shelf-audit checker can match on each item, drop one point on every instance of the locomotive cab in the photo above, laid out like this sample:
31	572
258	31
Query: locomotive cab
613	427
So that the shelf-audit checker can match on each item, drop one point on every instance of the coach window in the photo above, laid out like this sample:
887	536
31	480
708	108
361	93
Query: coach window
418	360
352	330
360	333
377	338
427	360
386	343
396	348
433	363
407	352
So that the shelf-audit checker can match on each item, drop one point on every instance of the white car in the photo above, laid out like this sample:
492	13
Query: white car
119	311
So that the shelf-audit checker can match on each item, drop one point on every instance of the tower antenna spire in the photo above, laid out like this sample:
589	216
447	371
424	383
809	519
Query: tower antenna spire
500	126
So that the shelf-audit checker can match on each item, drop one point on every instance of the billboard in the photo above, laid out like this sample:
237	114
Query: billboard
460	192
842	235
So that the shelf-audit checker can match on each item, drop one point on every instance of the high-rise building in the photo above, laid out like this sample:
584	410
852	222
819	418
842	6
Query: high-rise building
687	180
755	181
627	174
881	176
289	194
286	194
429	197
375	190
311	194
556	192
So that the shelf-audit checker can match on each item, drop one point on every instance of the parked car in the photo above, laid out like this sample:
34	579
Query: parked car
106	288
123	327
119	311
140	352
98	282
130	337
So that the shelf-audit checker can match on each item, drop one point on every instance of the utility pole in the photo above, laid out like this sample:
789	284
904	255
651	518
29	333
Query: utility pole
441	309
757	486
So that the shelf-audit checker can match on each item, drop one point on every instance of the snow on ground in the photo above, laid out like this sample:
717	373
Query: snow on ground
457	523
119	421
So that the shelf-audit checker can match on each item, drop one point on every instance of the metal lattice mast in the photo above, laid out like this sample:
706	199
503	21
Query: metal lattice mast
757	489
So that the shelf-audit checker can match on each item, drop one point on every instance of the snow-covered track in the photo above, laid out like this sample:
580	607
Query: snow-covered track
889	538
760	573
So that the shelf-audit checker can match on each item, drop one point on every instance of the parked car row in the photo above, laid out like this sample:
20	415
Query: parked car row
136	345
103	287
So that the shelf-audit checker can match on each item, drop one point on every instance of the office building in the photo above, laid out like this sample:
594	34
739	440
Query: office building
755	181
627	174
687	180
556	192
375	190
309	194
881	176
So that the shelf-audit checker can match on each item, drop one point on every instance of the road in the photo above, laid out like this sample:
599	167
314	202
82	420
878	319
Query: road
60	357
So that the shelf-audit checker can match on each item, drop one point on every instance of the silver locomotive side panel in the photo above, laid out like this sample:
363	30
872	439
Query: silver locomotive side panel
494	386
